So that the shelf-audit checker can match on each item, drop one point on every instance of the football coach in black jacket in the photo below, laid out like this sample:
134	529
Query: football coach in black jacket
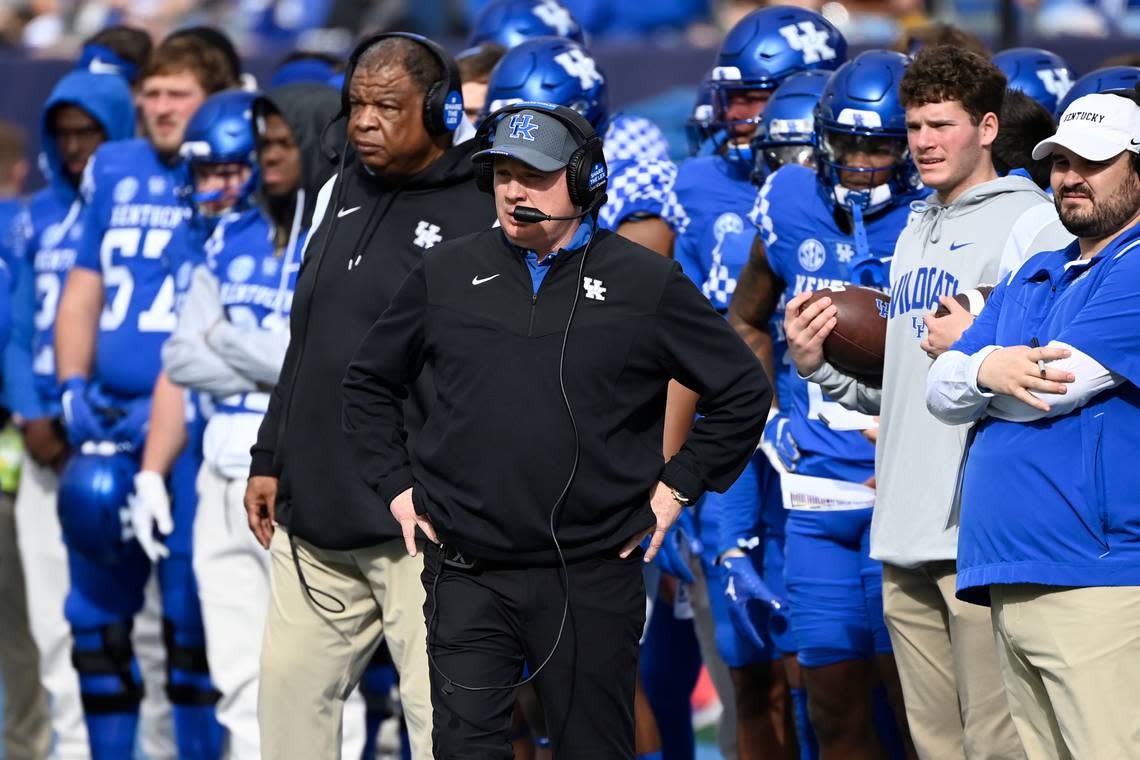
340	577
538	470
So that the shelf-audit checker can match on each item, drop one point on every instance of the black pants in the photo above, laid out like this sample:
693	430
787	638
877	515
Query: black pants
493	619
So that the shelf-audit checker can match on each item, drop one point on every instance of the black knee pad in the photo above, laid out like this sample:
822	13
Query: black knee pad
114	656
189	661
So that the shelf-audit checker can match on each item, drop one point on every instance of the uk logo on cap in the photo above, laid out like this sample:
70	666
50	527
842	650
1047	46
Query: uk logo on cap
523	127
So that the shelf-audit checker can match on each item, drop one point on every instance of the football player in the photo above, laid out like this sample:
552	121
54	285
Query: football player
117	308
230	341
714	195
83	111
826	227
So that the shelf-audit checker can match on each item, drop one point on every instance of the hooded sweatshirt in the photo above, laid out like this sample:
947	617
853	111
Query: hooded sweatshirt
307	108
365	240
945	248
233	329
50	239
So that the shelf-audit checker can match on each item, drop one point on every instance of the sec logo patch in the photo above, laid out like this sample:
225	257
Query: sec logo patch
812	254
240	269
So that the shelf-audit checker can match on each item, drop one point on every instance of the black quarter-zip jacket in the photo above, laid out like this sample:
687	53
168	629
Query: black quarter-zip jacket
377	236
497	446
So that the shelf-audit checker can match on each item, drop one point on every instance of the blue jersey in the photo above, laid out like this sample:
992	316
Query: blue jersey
713	199
641	174
132	212
1054	501
52	237
50	233
808	251
256	284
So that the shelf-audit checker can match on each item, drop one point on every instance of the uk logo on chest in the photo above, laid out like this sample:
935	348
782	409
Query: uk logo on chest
827	262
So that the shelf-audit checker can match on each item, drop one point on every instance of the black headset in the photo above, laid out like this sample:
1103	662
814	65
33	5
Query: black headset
586	171
443	101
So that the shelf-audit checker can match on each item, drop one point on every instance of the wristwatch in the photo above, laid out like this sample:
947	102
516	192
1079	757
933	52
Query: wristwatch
681	498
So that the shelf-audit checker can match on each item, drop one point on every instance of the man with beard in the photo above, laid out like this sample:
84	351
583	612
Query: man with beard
1050	371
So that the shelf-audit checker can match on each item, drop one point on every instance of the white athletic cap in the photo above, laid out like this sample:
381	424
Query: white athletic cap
1096	127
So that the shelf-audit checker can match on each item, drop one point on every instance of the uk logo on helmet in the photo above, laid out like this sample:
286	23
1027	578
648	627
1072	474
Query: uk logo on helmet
523	127
554	15
577	64
1057	82
809	40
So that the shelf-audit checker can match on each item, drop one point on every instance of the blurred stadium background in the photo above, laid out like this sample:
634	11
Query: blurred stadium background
653	53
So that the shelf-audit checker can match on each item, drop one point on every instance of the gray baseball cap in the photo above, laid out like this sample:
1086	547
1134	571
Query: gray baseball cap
533	137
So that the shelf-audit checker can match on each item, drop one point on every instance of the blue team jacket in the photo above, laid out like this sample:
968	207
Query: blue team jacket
1054	502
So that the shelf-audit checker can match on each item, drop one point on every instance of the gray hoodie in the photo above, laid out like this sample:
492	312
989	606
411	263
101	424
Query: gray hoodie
945	248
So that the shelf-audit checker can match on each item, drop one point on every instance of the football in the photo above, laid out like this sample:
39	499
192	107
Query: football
972	300
857	343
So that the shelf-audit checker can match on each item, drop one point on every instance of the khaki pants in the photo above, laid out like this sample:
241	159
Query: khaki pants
948	665
27	726
313	657
1070	659
233	587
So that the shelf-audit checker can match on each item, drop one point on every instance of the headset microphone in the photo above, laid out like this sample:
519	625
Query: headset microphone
529	214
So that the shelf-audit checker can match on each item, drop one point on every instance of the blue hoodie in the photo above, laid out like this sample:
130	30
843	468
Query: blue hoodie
50	242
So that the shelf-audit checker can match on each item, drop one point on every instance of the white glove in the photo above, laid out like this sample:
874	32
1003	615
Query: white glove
150	511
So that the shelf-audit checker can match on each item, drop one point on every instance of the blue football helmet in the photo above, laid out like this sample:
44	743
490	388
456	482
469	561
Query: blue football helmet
859	112
550	70
1122	79
512	22
786	132
763	49
221	132
1040	74
93	510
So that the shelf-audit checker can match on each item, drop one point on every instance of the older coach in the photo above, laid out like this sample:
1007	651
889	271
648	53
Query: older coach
538	470
339	576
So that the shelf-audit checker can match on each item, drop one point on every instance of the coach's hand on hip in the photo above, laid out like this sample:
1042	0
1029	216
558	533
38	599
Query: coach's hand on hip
667	509
405	513
260	499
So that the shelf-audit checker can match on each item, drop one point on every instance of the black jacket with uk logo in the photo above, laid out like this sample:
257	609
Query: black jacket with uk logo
364	242
497	446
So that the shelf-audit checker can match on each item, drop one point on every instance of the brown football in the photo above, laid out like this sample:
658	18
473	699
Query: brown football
972	300
857	343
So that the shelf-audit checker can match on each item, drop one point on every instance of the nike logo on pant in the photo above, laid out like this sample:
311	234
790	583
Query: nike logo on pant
346	211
